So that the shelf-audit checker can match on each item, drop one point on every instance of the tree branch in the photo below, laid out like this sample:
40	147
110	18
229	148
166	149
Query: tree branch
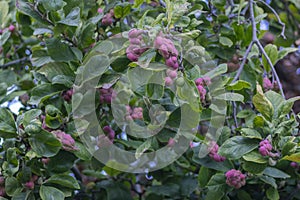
255	40
277	17
14	62
243	62
162	3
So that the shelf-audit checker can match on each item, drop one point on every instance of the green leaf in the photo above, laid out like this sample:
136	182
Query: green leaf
255	157
216	187
269	180
275	173
230	97
276	100
44	144
272	53
239	85
262	104
4	8
55	48
43	92
73	18
225	41
285	51
289	148
4	37
12	186
122	10
7	124
82	152
30	116
237	146
272	194
28	9
188	185
253	167
40	56
242	194
51	193
64	180
204	176
250	133
294	157
221	69
52	5
95	67
169	189
144	147
56	69
219	3
286	106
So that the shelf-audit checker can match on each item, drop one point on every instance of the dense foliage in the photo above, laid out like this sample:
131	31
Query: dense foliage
147	99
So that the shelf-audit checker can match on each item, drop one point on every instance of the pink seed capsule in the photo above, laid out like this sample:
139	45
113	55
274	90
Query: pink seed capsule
168	81
11	28
100	10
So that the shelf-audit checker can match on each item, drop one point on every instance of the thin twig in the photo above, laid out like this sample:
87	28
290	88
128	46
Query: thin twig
272	67
243	62
277	17
14	62
162	3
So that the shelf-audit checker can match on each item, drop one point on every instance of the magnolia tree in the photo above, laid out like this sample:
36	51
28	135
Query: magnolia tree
147	99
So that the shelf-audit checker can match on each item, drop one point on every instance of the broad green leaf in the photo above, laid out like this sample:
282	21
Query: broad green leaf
272	194
272	53
256	157
52	5
225	41
262	104
230	97
43	92
64	180
188	185
239	85
242	194
4	37
138	3
144	147
275	173
95	67
286	106
51	193
221	69
289	148
55	47
56	69
216	187
44	144
122	10
73	18
250	133
269	180
7	124
12	186
169	189
82	152
4	8
28	9
30	116
40	56
285	51
253	167
236	147
294	157
204	176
